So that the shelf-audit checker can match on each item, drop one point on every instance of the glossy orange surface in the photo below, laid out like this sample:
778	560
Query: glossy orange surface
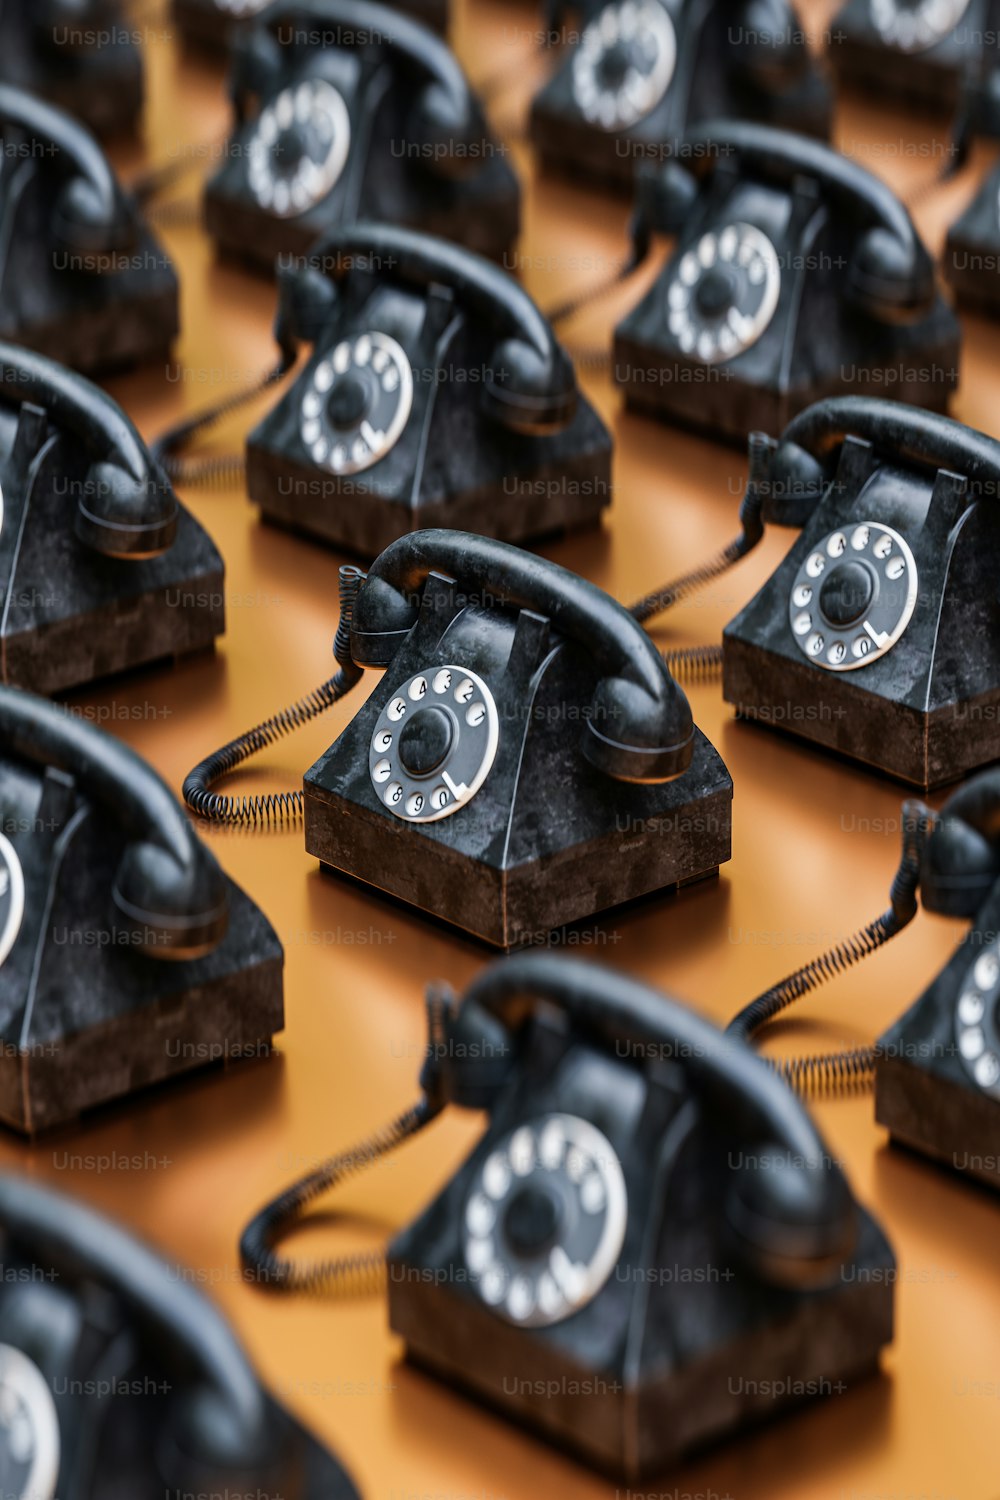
815	847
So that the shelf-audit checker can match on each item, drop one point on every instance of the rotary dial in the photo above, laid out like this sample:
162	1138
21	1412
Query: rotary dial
434	744
624	63
916	27
853	596
357	403
722	294
29	1430
299	148
976	1021
11	897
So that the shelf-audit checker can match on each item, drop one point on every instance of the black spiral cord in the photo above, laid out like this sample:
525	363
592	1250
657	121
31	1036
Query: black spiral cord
850	1070
359	1275
275	807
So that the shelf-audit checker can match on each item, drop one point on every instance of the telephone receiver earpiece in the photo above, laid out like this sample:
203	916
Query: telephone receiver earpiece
126	508
640	726
788	1207
961	859
169	889
803	461
531	386
92	215
446	119
225	1428
773	51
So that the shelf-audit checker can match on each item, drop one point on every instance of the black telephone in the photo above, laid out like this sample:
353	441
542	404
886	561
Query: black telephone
80	54
626	1137
971	260
882	625
101	568
214	23
642	73
345	111
82	277
931	54
119	1378
935	1071
126	955
379	435
526	760
780	236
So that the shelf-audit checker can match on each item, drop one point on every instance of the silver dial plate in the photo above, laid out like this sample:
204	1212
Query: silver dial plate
915	28
298	148
445	716
11	897
976	1030
566	1163
624	63
29	1429
357	403
876	574
722	294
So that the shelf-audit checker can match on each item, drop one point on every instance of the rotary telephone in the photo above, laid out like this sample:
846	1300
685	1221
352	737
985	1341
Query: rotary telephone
214	23
101	569
80	54
345	111
126	955
526	760
379	436
936	1070
624	1135
118	1377
82	277
644	72
780	236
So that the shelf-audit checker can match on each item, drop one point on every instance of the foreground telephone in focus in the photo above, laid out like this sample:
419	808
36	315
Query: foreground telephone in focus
881	627
82	277
80	54
101	568
119	1378
935	1071
126	955
641	73
215	23
778	237
624	1136
348	111
380	434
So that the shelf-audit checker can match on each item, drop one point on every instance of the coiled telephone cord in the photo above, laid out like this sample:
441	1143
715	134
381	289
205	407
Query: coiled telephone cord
362	1274
275	807
694	664
221	470
850	1070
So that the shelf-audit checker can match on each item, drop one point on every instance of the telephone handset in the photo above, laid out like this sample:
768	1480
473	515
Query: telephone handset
780	235
79	54
624	1134
102	880
526	760
214	23
645	72
884	613
94	545
348	111
92	1322
82	277
379	435
936	1070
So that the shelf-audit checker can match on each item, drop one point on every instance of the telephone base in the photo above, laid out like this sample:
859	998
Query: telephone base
864	64
917	365
670	834
972	251
636	1424
948	1122
925	749
102	88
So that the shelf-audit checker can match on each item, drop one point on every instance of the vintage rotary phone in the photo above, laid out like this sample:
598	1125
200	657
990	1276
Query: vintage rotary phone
101	568
625	1135
79	54
935	1071
126	955
882	623
119	1378
780	236
214	23
645	72
931	54
526	760
346	111
379	435
82	278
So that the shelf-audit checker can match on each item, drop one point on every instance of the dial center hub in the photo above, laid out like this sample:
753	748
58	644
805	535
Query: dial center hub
847	593
425	740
